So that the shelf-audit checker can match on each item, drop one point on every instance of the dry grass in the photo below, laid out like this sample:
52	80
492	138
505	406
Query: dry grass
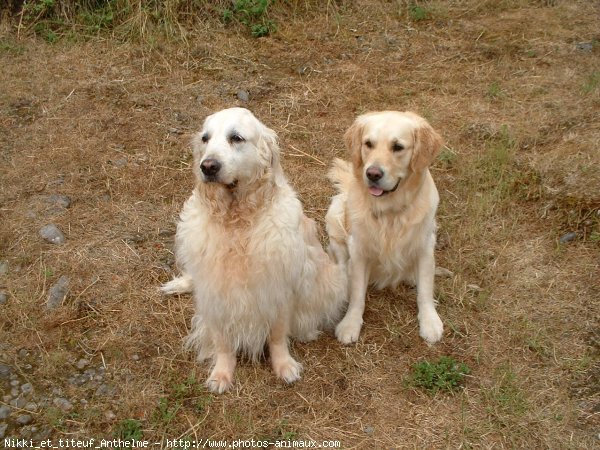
108	123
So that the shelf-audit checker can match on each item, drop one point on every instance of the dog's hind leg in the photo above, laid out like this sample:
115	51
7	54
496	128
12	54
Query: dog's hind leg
179	285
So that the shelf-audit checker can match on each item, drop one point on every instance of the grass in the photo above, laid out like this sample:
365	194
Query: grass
444	375
129	430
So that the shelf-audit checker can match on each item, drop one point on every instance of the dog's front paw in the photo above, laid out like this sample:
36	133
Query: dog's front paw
219	382
431	327
288	370
348	330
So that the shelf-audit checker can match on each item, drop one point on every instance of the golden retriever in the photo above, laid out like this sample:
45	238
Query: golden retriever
249	255
383	218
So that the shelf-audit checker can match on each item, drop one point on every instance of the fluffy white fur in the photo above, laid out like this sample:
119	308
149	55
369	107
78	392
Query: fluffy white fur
252	259
386	227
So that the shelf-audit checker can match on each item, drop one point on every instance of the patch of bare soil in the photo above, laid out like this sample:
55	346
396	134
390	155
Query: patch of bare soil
107	124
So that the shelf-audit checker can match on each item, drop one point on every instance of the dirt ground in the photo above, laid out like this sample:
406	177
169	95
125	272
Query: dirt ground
512	86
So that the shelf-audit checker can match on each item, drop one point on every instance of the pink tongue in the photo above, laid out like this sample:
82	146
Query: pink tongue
375	191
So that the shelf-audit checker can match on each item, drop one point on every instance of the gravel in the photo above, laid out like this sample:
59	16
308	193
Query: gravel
3	267
5	371
568	237
52	234
62	403
3	297
243	95
58	292
443	272
4	412
3	427
82	363
27	388
24	419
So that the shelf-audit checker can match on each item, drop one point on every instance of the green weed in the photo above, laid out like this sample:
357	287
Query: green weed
446	374
418	13
129	430
592	82
252	14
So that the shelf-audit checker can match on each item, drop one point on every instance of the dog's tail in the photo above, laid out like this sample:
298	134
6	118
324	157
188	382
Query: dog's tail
341	174
323	292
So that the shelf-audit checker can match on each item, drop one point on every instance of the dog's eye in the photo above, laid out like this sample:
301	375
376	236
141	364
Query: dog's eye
205	138
397	147
369	144
236	138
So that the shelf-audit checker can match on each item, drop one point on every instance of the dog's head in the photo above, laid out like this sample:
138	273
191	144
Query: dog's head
387	147
234	148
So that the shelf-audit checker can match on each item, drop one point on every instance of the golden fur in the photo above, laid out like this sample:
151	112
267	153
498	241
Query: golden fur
252	259
385	227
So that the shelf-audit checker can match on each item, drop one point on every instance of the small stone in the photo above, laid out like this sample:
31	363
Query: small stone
134	238
5	371
135	357
82	363
62	403
58	292
52	234
15	383
23	353
243	95
109	415
6	398
3	297
18	402
174	130
568	237
442	272
474	288
303	70
105	390
3	427
3	267
62	201
585	46
31	407
4	412
24	419
27	388
121	162
14	392
369	429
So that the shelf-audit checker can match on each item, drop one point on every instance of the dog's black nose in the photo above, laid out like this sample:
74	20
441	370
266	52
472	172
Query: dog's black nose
374	173
210	167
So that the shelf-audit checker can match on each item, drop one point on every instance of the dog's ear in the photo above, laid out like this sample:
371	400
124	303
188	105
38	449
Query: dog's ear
428	144
353	140
268	140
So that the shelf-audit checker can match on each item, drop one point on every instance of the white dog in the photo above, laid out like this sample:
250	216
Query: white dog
383	219
248	253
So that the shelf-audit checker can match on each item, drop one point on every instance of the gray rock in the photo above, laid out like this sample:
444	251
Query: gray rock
62	403
3	267
243	95
5	371
18	402
3	427
15	383
62	201
568	237
474	287
14	392
442	272
585	46
4	412
3	297
27	388
121	162
31	407
58	292
24	419
52	234
135	357
82	363
6	398
105	390
369	429
109	415
134	238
